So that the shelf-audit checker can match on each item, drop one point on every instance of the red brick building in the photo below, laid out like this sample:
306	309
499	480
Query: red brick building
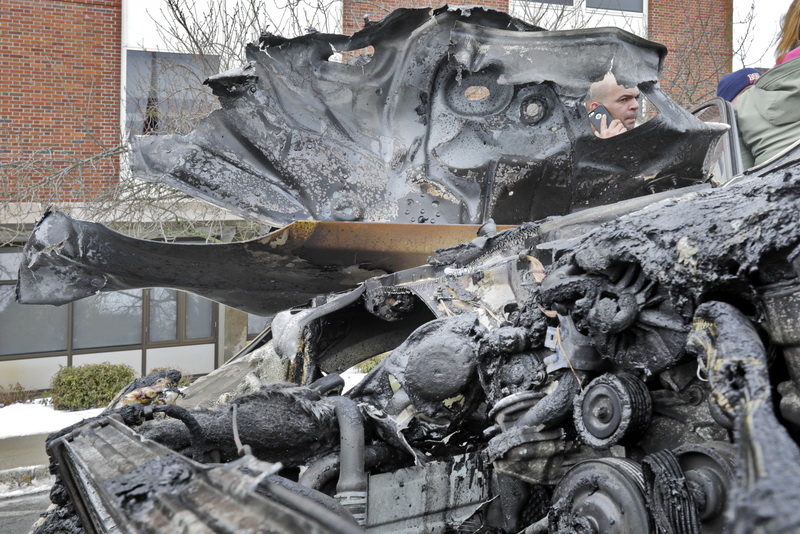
60	81
699	37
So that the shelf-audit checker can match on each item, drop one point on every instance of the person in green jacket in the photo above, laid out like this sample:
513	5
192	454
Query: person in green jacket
768	114
788	46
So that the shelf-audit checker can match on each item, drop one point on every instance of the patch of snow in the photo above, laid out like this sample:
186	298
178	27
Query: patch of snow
25	419
351	378
37	485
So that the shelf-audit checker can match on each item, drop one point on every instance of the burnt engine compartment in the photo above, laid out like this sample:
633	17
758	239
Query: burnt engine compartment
639	375
638	378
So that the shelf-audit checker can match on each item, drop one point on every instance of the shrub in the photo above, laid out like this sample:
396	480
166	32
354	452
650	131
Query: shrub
89	386
14	393
368	365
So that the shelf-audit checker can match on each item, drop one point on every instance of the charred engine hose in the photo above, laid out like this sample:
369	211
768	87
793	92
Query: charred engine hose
328	384
268	489
351	440
196	434
286	494
555	406
351	489
320	473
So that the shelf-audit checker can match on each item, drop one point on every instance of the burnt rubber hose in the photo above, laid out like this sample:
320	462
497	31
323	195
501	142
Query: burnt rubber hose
333	521
351	443
267	489
556	405
320	473
197	437
328	384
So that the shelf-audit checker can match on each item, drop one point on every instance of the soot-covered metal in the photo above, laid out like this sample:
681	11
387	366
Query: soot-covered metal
448	116
633	367
617	381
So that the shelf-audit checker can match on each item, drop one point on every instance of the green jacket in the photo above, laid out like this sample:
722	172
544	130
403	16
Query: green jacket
768	114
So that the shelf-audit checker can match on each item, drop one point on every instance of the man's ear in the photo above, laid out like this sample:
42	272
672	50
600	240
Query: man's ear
592	105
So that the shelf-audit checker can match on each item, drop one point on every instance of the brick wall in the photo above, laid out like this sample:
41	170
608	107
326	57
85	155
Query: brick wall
60	104
698	35
353	11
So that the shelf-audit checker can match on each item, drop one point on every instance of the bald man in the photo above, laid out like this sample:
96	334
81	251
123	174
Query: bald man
621	102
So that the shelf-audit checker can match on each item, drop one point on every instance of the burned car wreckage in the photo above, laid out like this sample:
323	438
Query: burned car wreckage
626	363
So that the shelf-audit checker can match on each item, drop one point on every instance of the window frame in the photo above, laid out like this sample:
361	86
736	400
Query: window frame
144	344
615	9
148	98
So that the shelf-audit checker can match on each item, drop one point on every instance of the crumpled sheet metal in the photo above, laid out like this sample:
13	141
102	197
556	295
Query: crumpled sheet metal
727	240
66	260
397	138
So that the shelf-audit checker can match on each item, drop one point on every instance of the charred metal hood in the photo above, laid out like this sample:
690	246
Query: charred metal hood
453	116
66	260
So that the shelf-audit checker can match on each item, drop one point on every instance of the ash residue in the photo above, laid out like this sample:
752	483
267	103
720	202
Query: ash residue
704	242
60	520
135	489
281	422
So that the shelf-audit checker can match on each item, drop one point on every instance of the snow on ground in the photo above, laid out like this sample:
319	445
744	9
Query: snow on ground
25	419
351	378
37	485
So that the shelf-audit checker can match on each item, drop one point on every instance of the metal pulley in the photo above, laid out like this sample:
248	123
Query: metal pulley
710	474
603	496
614	408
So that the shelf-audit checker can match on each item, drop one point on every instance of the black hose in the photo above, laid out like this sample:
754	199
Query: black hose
332	521
351	443
320	473
266	488
328	384
197	436
555	406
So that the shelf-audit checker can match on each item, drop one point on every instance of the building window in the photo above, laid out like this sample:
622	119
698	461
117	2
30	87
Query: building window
115	321
164	91
636	6
256	324
108	320
163	315
26	329
198	316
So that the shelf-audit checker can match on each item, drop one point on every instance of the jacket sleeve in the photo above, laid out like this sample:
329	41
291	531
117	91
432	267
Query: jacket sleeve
748	160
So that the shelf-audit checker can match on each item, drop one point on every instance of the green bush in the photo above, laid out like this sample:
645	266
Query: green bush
368	365
89	386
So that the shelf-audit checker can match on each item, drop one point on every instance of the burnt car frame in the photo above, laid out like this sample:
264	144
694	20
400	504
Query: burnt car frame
610	369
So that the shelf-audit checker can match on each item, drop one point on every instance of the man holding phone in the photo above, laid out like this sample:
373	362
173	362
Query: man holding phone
612	108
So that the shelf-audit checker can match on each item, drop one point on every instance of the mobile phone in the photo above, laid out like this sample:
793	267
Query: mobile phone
596	115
